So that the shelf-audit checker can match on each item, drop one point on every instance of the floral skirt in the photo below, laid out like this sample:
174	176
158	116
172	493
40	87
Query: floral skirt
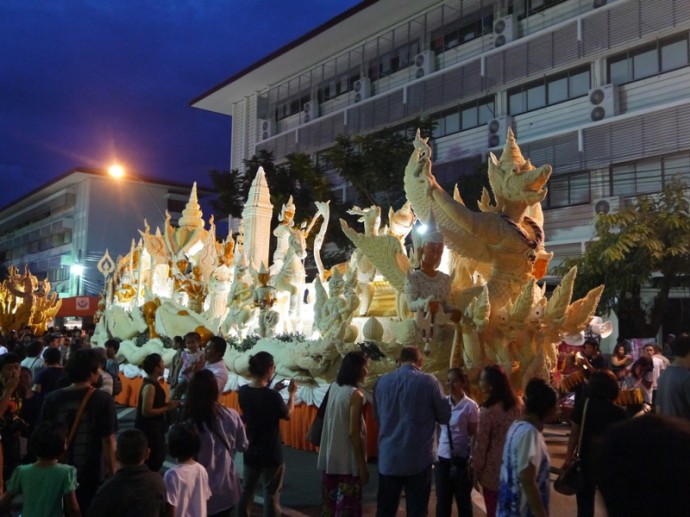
342	495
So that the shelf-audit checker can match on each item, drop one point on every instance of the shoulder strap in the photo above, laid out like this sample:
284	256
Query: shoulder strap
321	412
582	427
80	412
450	439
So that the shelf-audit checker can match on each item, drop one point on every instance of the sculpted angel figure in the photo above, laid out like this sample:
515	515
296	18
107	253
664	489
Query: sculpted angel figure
506	236
504	244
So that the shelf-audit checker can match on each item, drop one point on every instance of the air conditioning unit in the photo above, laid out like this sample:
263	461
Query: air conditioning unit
505	30
605	205
497	129
424	63
603	102
361	89
309	111
265	129
598	3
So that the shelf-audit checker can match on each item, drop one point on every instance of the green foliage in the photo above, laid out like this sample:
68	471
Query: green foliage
374	163
243	345
645	244
142	338
470	185
372	350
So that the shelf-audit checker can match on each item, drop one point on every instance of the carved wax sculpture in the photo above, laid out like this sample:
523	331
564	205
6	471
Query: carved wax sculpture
427	290
26	301
264	298
282	234
240	300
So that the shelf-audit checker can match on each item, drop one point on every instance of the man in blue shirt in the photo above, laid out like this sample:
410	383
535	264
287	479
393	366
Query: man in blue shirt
408	404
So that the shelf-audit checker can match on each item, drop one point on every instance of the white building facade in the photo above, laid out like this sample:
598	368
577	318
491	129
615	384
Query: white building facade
597	88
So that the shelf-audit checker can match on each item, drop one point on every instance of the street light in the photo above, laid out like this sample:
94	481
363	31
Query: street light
116	170
78	271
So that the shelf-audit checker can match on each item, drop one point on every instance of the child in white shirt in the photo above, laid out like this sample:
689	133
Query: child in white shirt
186	483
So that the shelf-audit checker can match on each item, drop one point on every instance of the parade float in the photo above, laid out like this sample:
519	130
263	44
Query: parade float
467	289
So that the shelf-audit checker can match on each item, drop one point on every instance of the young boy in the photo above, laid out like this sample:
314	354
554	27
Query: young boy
134	485
112	347
187	482
48	486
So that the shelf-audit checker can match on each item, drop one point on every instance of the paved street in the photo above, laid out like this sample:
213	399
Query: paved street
302	491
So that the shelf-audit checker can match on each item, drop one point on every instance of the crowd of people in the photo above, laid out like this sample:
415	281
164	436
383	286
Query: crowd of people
62	451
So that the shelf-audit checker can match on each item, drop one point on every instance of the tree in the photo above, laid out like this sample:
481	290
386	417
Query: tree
374	164
298	177
646	244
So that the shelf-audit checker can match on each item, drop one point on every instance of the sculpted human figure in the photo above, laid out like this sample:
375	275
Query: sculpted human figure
195	289
282	234
333	313
264	298
219	285
240	298
427	289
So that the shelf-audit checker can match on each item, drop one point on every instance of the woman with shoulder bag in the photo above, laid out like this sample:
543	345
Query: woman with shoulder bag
600	414
452	474
342	456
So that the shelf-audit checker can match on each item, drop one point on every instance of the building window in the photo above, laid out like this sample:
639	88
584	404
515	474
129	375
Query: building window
291	107
549	91
650	175
337	86
391	62
464	117
458	33
537	6
568	190
649	60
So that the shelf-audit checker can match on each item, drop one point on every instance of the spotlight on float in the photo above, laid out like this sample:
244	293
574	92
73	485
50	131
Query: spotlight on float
76	269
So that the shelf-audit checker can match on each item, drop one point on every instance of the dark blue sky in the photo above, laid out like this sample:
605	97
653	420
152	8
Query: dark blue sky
84	82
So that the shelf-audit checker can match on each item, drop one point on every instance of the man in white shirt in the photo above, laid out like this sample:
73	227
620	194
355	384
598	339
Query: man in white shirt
215	350
659	366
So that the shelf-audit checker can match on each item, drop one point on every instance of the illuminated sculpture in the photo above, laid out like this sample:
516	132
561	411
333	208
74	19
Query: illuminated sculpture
482	304
26	301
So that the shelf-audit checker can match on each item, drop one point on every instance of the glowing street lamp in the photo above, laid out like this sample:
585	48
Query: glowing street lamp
116	170
76	269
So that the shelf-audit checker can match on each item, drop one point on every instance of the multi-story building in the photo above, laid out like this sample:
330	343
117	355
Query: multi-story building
597	88
72	220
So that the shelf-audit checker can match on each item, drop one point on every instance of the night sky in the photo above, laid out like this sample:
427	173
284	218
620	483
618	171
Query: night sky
87	82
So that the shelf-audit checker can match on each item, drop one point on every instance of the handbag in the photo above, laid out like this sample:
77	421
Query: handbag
572	479
316	427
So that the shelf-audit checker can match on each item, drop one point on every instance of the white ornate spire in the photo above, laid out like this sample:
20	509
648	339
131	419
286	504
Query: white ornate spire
192	214
257	215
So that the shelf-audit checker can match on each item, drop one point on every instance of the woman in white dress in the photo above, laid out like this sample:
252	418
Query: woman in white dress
342	456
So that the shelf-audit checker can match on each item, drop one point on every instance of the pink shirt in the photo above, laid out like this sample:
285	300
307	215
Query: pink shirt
488	444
